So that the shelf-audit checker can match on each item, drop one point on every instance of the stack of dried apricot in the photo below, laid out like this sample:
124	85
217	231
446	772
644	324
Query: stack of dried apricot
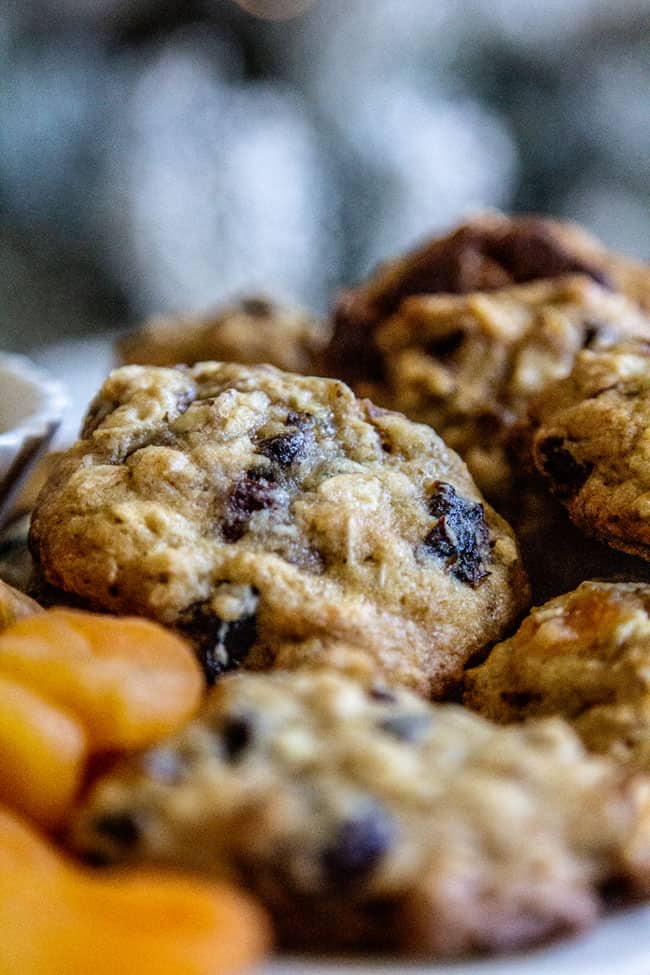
74	685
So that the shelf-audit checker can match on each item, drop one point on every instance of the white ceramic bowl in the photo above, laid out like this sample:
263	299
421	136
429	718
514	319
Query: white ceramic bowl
32	405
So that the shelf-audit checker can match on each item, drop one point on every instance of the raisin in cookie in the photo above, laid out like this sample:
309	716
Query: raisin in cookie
253	331
490	252
364	816
468	365
584	656
592	444
257	509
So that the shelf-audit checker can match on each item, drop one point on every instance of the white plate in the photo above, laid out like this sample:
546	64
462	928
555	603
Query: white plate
619	945
32	404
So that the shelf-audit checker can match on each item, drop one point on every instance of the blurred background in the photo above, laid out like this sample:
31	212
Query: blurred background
164	156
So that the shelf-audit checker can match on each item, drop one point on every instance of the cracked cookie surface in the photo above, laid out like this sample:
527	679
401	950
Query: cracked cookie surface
266	513
591	443
584	656
364	816
469	365
253	331
488	253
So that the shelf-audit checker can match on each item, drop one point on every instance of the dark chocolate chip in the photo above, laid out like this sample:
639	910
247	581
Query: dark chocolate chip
460	536
221	645
256	307
236	734
229	647
446	345
296	418
263	473
377	693
122	828
284	448
616	892
598	334
246	496
567	474
406	727
444	499
358	846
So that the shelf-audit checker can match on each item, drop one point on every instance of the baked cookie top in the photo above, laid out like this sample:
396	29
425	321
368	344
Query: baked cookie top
585	656
363	815
591	443
490	252
253	331
468	365
256	509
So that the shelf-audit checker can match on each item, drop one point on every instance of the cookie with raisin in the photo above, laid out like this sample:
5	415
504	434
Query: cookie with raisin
521	298
365	817
584	656
490	252
252	331
469	365
590	442
263	512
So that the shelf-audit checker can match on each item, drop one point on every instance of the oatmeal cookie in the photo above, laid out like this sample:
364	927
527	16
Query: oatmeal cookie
364	816
253	331
592	444
490	252
584	656
468	365
258	510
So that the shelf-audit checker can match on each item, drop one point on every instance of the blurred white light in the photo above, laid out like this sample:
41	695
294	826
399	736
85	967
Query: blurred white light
215	189
431	159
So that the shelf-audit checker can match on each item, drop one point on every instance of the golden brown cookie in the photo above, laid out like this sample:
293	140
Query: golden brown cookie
584	656
269	514
253	331
591	442
468	365
490	252
365	817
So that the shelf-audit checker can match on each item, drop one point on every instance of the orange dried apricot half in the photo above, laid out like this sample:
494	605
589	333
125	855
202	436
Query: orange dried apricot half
128	681
42	755
57	919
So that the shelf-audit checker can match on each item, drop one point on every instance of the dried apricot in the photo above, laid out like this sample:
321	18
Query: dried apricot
14	605
56	919
129	681
42	755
